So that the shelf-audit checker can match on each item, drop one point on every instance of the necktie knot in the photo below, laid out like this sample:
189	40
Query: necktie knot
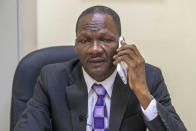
99	90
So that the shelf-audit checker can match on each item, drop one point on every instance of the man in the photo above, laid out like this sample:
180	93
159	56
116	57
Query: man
88	94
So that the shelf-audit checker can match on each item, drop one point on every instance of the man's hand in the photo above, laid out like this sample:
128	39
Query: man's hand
136	72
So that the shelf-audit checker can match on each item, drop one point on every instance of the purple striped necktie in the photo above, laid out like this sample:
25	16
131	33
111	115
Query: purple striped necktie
100	117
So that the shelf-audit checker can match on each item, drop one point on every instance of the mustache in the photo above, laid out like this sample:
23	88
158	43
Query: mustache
96	55
96	59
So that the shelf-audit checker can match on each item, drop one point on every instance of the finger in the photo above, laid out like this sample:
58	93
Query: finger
115	56
125	47
126	59
129	53
130	63
118	59
123	43
136	50
132	47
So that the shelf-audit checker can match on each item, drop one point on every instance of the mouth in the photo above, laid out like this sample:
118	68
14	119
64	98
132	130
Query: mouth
96	61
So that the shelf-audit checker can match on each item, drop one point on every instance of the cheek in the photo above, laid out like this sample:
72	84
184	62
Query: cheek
79	50
112	51
81	53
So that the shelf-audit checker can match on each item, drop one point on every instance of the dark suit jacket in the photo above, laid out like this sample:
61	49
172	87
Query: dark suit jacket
60	103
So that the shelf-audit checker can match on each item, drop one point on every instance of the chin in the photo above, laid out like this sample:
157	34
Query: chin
100	74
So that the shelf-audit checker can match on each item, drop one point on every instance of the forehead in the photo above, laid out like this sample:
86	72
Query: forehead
97	22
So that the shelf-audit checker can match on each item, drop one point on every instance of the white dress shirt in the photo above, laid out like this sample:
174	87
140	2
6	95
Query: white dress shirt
149	114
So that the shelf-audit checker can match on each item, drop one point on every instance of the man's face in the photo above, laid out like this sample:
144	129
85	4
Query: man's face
96	43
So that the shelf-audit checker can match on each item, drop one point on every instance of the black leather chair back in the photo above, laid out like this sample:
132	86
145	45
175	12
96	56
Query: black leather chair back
27	72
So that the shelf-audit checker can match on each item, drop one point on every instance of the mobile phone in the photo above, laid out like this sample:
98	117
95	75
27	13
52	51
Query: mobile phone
122	67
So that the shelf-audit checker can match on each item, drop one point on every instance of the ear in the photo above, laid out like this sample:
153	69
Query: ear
76	47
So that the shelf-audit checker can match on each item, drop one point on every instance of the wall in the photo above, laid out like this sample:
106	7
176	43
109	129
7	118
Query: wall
163	30
9	56
29	25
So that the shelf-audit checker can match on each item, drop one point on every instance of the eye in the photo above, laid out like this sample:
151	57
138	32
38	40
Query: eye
107	40
83	41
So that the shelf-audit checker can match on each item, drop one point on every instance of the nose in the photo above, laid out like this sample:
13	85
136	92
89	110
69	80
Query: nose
96	48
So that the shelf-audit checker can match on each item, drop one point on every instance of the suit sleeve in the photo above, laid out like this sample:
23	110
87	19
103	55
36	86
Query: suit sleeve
36	115
167	119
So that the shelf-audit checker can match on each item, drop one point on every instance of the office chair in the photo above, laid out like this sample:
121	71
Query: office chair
27	72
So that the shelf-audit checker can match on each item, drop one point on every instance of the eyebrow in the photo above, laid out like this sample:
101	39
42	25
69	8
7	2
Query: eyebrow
101	33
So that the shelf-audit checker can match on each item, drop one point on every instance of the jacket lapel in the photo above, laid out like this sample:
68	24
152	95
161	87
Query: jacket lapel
119	101
77	99
77	96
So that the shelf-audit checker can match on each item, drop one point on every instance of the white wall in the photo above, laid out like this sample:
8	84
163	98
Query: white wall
163	30
9	57
29	17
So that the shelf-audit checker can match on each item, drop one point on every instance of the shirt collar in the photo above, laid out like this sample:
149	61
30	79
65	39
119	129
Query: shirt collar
107	83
